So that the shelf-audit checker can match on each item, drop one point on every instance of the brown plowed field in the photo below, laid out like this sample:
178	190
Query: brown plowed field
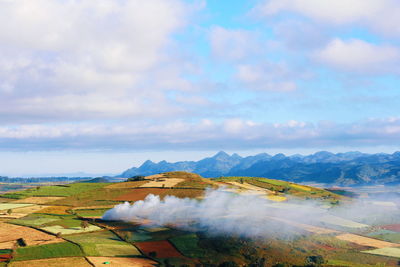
10	232
392	227
163	248
59	262
141	193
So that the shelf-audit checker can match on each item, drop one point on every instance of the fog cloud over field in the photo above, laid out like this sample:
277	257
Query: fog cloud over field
219	212
249	215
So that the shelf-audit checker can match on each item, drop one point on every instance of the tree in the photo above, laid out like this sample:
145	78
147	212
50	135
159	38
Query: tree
84	225
315	260
59	235
135	178
9	211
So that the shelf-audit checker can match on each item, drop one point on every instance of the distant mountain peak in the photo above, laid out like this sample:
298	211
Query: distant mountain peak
221	154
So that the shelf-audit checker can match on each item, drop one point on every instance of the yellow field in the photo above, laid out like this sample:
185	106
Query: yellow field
121	262
366	241
59	210
167	182
38	200
390	252
301	187
276	198
59	262
9	233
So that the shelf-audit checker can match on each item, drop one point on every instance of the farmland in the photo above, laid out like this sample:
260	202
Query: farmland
62	226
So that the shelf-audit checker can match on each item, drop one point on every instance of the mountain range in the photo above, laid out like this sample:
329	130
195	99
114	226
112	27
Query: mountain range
350	168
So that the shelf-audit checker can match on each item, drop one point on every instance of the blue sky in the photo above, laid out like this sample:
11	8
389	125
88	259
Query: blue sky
98	86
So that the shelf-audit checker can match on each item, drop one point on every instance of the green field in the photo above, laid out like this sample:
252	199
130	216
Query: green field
56	190
64	249
188	245
103	243
35	220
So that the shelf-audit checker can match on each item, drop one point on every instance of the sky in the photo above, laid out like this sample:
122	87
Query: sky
101	86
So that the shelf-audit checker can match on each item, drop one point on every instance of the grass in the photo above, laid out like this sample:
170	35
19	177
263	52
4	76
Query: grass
35	220
56	190
64	249
97	197
69	231
103	243
188	245
6	206
90	212
390	252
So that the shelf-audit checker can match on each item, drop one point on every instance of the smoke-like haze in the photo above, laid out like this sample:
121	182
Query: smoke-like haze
241	214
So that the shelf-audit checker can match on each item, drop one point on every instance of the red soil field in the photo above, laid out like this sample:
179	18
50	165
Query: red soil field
163	248
5	257
141	193
392	227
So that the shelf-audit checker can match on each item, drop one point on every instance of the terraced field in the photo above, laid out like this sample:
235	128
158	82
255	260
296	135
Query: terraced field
62	226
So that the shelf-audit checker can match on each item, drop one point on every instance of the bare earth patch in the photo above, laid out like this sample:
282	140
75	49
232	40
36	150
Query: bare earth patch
59	262
390	252
121	262
366	241
126	184
38	200
10	233
30	209
251	187
167	182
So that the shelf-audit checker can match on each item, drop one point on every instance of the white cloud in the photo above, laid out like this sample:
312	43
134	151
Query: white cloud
233	44
267	76
360	56
230	134
379	15
89	58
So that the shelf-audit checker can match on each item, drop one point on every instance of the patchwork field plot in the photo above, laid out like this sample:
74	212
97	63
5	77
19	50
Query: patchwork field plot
137	194
392	227
141	193
7	206
276	198
37	200
58	250
104	243
29	209
334	220
168	182
69	231
59	262
188	245
56	190
390	252
58	210
9	232
91	213
250	187
35	220
126	185
366	241
306	227
121	262
386	235
163	249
